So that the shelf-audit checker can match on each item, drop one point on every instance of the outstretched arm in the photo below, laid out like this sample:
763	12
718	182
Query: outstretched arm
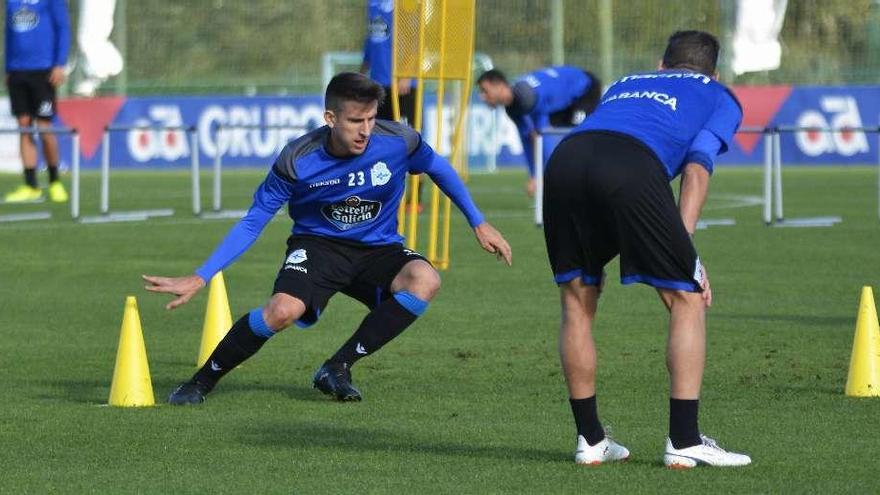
270	196
492	241
61	23
527	133
447	179
700	162
694	190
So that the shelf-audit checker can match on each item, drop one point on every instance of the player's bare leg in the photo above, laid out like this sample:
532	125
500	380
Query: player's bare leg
26	141
576	347
531	187
686	346
57	193
686	447
418	278
282	310
577	352
29	191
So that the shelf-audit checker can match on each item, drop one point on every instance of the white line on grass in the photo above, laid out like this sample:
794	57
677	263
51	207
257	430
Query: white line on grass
733	201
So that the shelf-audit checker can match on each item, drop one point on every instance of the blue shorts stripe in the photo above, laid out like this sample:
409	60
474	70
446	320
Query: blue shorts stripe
306	324
660	283
562	278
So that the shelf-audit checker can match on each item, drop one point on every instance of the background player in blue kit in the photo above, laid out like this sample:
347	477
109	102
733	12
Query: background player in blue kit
607	193
343	184
37	44
560	96
377	62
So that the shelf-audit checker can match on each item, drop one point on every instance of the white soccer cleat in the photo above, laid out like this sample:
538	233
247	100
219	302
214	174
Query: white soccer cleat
707	453
605	451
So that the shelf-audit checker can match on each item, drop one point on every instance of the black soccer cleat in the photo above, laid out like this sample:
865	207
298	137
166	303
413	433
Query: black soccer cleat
189	393
335	379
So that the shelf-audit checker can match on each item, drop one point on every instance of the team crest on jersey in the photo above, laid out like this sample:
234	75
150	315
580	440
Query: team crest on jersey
351	212
387	6
378	30
24	19
379	174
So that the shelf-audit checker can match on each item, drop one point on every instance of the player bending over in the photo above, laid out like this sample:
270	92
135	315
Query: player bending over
607	193
560	96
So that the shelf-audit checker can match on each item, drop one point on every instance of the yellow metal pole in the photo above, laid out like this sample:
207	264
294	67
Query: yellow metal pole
457	143
395	94
447	215
412	226
441	88
401	210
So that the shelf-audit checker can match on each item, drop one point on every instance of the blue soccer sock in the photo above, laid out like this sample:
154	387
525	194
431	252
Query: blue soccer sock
388	320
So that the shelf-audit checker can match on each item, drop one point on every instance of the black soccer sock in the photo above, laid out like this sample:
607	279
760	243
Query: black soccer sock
385	322
53	173
239	344
683	429
30	177
586	419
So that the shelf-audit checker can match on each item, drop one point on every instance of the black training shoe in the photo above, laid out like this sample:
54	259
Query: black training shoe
188	393
335	379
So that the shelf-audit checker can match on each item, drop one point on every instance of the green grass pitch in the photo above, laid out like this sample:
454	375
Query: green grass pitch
471	398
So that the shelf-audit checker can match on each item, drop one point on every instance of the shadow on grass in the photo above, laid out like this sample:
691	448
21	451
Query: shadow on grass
294	434
93	391
809	388
295	392
816	321
98	391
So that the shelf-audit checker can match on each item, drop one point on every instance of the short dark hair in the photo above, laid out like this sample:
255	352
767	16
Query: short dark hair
694	50
493	76
351	86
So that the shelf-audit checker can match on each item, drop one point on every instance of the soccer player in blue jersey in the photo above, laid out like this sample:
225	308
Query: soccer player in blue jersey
37	44
607	193
560	96
343	184
377	61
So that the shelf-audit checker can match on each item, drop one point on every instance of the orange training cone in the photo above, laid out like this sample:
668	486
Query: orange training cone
131	386
864	365
218	318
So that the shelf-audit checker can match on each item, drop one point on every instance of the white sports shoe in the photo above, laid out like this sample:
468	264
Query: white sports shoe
707	453
605	451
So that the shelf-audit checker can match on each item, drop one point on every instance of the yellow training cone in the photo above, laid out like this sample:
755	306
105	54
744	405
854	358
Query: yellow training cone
864	365
218	318
131	386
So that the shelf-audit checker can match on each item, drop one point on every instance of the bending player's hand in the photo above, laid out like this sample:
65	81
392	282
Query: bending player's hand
707	289
491	240
404	86
57	76
182	287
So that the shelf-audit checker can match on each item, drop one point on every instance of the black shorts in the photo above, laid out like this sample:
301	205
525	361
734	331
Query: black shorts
31	93
575	113
316	268
407	106
607	194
